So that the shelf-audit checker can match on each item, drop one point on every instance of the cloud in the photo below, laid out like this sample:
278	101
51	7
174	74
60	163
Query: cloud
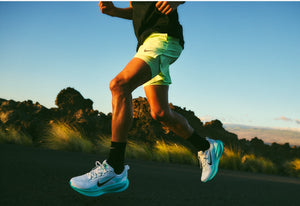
283	118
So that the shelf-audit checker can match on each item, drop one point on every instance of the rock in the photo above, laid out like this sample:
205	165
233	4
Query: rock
71	100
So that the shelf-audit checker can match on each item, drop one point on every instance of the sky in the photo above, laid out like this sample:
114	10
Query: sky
241	62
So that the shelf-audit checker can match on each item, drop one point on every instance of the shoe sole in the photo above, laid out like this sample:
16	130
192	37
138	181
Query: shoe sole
108	189
220	149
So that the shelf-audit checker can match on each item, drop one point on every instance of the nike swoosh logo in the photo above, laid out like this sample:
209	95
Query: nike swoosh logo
209	161
147	50
103	183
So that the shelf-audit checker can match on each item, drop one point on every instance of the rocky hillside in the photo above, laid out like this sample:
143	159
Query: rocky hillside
73	109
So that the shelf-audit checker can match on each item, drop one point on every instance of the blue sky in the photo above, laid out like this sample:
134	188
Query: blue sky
241	62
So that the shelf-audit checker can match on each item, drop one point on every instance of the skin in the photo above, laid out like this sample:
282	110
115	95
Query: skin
136	73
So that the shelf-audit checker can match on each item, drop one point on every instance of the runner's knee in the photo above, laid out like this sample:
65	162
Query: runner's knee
160	115
118	87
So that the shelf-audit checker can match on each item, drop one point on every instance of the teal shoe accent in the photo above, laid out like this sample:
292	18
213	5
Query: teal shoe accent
220	149
104	190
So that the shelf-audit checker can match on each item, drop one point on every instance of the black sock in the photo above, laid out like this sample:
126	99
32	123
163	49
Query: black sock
116	156
200	143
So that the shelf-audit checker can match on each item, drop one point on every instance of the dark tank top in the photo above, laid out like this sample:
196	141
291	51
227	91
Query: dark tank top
147	19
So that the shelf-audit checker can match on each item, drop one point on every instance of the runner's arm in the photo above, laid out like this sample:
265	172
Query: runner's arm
107	7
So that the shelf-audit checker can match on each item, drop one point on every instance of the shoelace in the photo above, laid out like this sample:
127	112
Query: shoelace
203	160
98	170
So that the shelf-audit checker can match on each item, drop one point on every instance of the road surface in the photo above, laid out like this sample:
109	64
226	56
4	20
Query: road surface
35	176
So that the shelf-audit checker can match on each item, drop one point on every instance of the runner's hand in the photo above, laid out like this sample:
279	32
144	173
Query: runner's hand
107	7
166	7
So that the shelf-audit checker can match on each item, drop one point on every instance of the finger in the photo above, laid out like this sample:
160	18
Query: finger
166	9
105	3
101	4
158	4
103	8
162	5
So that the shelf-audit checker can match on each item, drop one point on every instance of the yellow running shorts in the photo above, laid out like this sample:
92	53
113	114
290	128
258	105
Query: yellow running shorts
159	51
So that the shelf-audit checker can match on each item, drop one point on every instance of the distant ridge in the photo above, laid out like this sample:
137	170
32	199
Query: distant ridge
267	134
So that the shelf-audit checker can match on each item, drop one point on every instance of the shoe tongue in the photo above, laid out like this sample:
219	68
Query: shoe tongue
105	164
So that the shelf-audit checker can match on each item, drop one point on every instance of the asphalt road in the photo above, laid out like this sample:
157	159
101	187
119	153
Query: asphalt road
35	176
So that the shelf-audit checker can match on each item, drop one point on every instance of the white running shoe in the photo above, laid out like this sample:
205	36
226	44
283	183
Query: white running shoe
100	180
209	159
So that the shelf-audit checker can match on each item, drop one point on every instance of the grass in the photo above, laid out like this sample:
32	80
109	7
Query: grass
296	164
138	150
161	151
12	136
64	137
236	160
293	167
258	164
171	152
231	159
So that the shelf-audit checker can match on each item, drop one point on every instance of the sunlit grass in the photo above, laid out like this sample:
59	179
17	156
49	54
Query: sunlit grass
64	137
12	136
138	150
296	164
161	151
235	160
293	167
231	159
258	164
102	144
172	152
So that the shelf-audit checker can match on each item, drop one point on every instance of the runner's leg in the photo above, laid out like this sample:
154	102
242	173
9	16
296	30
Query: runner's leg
157	96
133	75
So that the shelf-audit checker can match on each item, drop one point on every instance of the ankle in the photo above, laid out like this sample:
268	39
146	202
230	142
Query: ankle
200	143
116	156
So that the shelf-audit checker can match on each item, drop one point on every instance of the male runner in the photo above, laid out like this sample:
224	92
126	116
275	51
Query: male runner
160	43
